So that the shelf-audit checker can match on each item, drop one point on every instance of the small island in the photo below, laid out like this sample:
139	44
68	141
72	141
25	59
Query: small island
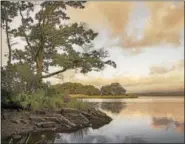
77	90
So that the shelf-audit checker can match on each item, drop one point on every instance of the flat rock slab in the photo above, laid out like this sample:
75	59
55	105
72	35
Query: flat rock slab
45	124
66	119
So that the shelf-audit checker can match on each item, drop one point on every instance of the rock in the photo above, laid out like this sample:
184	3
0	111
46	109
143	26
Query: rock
24	121
15	121
45	124
36	118
85	114
16	137
42	112
65	120
19	123
53	119
85	119
44	129
69	110
98	118
77	119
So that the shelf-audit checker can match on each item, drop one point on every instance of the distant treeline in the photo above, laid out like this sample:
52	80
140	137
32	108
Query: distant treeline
77	88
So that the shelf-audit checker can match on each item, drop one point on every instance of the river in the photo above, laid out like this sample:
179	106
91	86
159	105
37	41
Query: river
142	120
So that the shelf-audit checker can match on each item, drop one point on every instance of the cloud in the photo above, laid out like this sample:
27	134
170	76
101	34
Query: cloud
163	25
165	80
179	65
115	14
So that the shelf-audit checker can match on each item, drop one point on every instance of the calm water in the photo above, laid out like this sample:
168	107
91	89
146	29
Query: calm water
142	120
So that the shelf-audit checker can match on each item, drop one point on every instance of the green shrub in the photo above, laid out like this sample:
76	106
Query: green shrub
43	99
39	99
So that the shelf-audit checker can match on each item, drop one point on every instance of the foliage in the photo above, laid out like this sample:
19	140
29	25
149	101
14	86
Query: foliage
39	99
76	88
91	90
112	89
8	12
19	78
50	42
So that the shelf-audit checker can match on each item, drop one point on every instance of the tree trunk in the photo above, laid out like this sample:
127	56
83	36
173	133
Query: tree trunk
39	64
8	42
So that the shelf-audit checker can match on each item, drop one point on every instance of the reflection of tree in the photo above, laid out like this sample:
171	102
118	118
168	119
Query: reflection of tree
114	107
130	139
167	123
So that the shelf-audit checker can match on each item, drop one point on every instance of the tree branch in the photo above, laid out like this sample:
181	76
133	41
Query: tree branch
54	73
22	20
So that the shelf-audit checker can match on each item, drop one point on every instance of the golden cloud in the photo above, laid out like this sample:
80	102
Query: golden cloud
115	14
164	24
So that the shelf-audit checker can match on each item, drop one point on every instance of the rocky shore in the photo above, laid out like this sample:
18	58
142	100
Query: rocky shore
14	124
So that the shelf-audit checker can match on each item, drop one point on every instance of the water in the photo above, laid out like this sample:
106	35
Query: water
142	120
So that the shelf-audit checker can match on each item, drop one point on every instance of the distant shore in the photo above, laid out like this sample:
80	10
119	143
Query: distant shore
75	96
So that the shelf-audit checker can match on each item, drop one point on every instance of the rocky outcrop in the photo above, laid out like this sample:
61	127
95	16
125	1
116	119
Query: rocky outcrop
17	123
112	89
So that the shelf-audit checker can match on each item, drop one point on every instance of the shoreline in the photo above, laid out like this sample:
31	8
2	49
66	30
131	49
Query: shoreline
78	96
17	124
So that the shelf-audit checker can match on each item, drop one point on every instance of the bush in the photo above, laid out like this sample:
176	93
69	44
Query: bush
80	105
47	99
39	100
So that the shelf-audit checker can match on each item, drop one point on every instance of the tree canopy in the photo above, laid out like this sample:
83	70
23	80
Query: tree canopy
76	88
112	89
50	39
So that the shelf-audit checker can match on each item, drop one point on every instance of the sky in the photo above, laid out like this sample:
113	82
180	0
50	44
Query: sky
145	39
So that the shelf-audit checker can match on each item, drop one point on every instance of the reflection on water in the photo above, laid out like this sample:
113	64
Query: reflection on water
144	120
113	107
167	123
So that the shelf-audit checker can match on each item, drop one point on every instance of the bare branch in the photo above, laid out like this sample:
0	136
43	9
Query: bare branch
54	73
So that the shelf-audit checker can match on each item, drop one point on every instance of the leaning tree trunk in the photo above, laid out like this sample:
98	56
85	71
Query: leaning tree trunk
39	65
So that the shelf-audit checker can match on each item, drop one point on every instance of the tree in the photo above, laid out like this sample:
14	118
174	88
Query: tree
50	42
91	90
8	12
76	88
112	89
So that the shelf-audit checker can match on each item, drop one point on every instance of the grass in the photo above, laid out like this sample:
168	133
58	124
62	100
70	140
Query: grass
80	105
75	96
39	100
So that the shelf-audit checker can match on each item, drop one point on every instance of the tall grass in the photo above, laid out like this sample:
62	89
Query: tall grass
77	104
40	99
